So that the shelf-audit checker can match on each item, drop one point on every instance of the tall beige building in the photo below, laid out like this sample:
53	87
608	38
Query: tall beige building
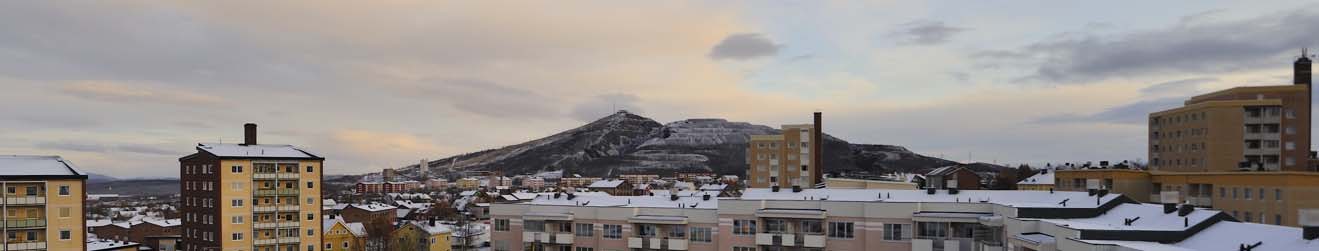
43	203
785	160
251	197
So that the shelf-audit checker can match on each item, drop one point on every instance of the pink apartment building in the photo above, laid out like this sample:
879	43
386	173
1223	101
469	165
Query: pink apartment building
875	219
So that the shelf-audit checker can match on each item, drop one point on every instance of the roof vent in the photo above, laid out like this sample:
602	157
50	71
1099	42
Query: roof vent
774	188
1128	221
673	197
705	197
929	191
1064	202
1185	210
1309	221
796	188
571	196
1169	208
1091	192
1102	192
952	190
1245	247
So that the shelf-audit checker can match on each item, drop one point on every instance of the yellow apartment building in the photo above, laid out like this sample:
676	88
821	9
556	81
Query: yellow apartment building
43	203
791	158
343	236
418	236
251	197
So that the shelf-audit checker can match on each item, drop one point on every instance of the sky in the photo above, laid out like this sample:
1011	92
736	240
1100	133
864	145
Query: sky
125	88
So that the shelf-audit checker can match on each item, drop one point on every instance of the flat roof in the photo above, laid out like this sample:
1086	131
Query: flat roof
1151	218
255	151
1228	235
693	200
1014	198
20	166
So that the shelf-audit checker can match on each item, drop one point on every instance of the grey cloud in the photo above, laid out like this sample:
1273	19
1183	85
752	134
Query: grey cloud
1176	87
604	105
926	32
744	46
72	146
1133	113
1191	47
146	149
486	98
136	93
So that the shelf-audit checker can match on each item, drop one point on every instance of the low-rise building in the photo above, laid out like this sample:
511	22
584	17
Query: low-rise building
340	235
1042	181
638	178
437	184
1263	197
955	176
613	187
469	183
876	219
577	182
533	183
419	236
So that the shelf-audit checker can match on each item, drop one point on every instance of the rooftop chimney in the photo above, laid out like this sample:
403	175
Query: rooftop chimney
249	134
1185	210
1309	222
817	148
1301	69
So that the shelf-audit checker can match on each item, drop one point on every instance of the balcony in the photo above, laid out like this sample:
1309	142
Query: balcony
26	246
541	237
269	225
25	223
941	243
276	192
657	243
775	239
561	238
268	209
275	176
25	200
280	240
812	240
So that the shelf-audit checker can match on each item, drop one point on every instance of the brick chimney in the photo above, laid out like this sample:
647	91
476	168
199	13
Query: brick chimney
249	134
817	147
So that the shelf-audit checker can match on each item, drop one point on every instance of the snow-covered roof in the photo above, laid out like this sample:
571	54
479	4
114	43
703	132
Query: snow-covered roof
255	151
101	244
402	212
373	207
1043	178
1228	235
943	170
27	165
99	223
355	228
412	205
432	229
1015	198
467	193
1151	216
164	222
713	187
606	184
599	199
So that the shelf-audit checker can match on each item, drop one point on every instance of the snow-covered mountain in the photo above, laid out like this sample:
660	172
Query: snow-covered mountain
625	142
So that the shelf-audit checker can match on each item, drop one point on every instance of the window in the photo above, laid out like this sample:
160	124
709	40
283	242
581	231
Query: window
311	169
744	227
613	231
329	246
646	230
311	216
31	235
744	248
1222	192
678	232
1277	219
236	219
702	234
1247	217
1246	195
1277	194
533	226
236	169
585	249
811	226
585	229
64	190
311	232
501	224
64	212
237	236
236	203
932	229
775	226
842	230
897	232
309	184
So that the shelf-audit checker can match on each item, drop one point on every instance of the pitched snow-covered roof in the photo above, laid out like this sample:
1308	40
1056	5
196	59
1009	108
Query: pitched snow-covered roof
164	222
1228	235
99	223
1151	216
1015	198
27	165
255	151
606	184
355	228
373	207
943	170
1043	178
432	229
713	187
102	244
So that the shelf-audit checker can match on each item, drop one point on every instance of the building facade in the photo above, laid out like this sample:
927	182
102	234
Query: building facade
788	159
241	197
1261	197
1261	128
43	203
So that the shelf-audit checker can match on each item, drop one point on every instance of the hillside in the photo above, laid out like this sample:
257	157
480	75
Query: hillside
624	142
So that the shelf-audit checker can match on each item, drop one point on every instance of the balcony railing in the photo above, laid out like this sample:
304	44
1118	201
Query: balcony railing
26	246
267	209
25	223
276	192
26	200
280	240
652	243
268	225
271	176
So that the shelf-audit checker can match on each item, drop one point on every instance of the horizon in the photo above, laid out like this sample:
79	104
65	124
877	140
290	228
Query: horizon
124	89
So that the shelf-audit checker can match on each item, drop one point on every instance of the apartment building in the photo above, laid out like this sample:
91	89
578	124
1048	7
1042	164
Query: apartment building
469	183
577	182
43	203
1041	181
877	219
1261	197
637	179
788	159
421	236
1261	128
250	196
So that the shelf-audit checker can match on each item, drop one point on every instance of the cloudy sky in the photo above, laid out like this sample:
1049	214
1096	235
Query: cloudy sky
124	88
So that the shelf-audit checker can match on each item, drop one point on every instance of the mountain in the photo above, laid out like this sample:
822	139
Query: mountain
96	177
624	142
134	187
